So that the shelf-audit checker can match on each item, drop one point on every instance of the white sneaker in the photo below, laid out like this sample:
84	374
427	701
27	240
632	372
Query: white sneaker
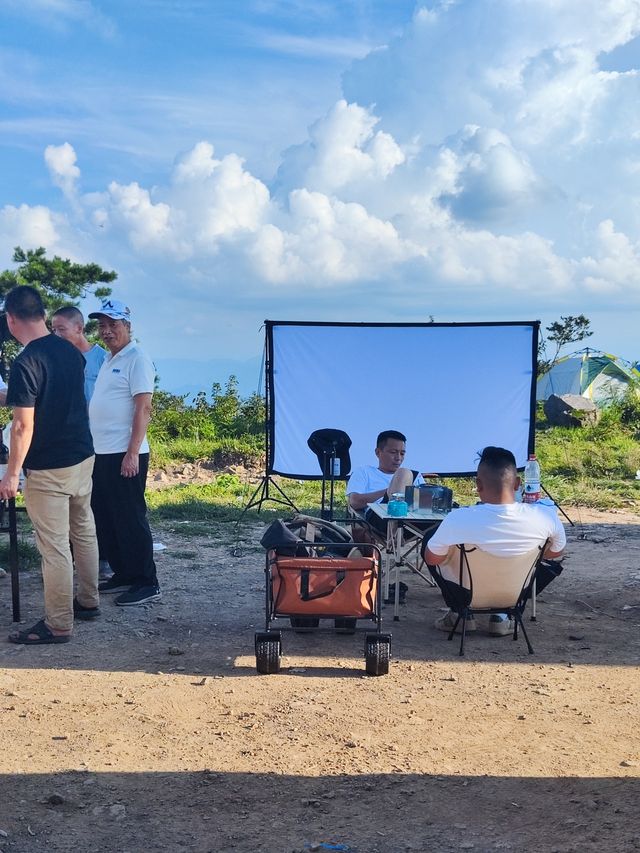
446	623
500	625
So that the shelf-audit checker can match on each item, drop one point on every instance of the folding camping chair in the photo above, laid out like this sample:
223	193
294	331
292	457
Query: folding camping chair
474	582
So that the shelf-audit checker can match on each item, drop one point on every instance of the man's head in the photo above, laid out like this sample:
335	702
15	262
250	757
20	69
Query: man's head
25	312
114	324
497	477
390	450
68	323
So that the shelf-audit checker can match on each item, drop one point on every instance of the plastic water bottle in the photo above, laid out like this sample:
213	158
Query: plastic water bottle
531	481
336	466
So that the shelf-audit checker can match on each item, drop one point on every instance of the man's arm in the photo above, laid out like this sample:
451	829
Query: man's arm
359	501
432	559
557	541
549	554
141	417
21	435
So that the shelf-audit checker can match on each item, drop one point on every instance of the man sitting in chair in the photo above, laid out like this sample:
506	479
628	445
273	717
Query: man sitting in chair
499	525
375	484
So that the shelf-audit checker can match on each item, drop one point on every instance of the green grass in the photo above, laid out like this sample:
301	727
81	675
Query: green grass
591	466
28	556
191	510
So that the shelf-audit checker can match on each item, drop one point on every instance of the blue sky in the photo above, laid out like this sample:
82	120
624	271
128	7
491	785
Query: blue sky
351	160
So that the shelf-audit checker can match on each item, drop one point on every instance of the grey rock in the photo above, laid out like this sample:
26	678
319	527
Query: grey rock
570	410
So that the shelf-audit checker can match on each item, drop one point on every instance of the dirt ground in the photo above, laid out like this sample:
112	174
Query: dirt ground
152	731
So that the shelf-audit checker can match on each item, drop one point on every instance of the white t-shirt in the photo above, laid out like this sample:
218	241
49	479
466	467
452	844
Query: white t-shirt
503	530
368	478
121	377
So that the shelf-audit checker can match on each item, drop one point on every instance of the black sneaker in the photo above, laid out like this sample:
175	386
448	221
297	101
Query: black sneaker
402	595
82	612
113	585
139	595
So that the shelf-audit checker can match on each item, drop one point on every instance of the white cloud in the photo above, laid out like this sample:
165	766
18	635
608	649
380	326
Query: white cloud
59	14
616	265
477	160
147	224
29	227
307	46
61	161
327	242
343	149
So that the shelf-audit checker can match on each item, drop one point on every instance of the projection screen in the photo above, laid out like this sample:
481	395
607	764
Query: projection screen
452	389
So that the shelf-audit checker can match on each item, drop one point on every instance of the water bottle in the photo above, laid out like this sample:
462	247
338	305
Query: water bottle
531	481
336	466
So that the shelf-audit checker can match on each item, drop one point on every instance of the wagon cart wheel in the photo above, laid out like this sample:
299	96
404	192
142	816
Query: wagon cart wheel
377	651
345	625
302	624
268	653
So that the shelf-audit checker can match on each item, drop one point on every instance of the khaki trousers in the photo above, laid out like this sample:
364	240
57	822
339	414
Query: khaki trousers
59	505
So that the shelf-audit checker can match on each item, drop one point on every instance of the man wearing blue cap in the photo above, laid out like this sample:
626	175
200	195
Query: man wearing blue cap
119	413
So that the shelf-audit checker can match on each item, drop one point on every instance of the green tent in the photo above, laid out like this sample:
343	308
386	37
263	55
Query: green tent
599	376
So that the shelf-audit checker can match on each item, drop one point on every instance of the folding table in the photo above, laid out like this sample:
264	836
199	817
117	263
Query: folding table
416	523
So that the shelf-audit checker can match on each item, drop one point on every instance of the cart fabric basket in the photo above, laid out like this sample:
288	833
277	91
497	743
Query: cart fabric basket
323	586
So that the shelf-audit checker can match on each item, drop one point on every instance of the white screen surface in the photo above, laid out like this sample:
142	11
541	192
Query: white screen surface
451	389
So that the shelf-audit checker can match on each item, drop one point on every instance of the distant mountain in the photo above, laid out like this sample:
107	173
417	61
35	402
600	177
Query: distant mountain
189	376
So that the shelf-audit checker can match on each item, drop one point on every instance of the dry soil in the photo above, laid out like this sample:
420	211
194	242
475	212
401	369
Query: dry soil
152	731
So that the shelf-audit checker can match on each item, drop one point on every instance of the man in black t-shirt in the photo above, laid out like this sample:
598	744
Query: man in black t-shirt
50	437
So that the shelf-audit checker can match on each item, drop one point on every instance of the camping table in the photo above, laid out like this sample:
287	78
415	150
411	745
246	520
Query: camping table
401	549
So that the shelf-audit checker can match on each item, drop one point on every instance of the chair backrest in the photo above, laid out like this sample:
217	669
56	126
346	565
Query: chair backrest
494	581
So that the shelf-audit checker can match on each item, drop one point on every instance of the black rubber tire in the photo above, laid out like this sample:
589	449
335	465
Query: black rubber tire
377	653
268	657
345	625
304	623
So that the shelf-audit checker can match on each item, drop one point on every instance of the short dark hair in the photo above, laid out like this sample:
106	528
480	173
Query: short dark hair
24	303
499	465
497	456
386	434
70	312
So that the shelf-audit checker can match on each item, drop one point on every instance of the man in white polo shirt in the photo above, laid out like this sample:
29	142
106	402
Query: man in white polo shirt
119	413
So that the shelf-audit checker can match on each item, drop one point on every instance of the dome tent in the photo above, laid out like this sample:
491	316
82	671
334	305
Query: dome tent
599	376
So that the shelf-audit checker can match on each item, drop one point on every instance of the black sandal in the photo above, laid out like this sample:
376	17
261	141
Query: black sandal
82	612
42	636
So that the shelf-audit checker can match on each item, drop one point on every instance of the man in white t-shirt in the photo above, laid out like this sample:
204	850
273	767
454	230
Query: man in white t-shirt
119	412
375	484
498	525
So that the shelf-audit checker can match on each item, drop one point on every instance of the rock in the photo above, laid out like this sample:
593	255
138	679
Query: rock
570	410
628	763
175	650
118	811
55	800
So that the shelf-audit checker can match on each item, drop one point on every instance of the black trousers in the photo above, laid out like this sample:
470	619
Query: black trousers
120	511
